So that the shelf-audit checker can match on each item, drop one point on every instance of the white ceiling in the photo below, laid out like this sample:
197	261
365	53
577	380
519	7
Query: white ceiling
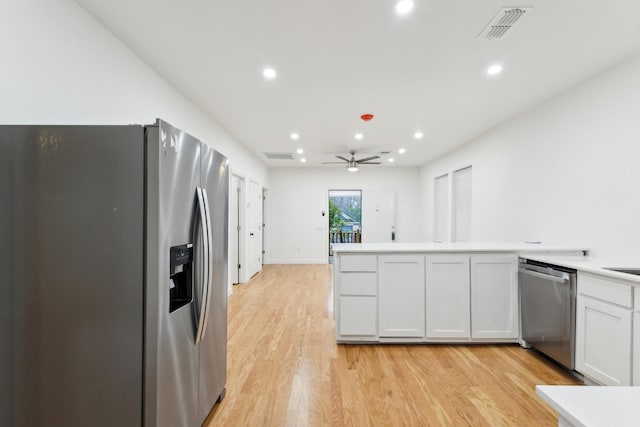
338	59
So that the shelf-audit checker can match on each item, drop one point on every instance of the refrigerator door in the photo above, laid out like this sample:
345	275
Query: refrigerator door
171	369
71	262
213	347
7	385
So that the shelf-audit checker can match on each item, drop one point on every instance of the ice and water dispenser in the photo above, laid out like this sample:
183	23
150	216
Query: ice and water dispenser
181	276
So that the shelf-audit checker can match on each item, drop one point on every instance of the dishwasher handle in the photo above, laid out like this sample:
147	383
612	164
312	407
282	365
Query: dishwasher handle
563	277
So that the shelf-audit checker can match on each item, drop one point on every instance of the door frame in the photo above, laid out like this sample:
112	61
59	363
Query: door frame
239	234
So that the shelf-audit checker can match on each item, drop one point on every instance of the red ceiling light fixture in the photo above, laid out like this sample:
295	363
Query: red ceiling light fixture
367	117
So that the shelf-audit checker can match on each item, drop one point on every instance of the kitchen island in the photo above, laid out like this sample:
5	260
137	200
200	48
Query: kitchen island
431	292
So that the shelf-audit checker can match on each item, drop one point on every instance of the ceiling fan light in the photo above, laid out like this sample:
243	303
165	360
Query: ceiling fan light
352	167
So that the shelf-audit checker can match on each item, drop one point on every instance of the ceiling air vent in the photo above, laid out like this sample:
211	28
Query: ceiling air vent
504	21
279	156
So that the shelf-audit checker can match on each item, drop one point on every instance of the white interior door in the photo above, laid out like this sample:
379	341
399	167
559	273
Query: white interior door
378	216
255	228
441	210
462	205
265	221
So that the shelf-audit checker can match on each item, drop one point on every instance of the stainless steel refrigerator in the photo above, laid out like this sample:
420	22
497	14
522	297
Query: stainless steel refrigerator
113	276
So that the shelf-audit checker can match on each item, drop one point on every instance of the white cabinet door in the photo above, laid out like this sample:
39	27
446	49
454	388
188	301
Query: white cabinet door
603	341
401	295
358	316
447	287
494	297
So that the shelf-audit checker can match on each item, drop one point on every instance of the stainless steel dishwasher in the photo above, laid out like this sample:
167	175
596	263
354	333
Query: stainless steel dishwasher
548	309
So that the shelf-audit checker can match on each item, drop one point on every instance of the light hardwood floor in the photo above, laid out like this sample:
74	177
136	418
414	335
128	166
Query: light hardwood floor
285	368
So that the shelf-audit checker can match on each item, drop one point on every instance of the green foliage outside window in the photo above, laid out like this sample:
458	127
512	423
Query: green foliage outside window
335	220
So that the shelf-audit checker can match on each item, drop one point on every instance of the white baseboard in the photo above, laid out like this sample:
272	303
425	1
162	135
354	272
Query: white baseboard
297	261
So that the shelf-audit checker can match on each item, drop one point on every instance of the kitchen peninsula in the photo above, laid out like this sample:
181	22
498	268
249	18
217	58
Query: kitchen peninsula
431	292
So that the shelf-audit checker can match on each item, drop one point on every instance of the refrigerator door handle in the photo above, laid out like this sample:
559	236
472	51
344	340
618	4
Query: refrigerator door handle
209	284
204	224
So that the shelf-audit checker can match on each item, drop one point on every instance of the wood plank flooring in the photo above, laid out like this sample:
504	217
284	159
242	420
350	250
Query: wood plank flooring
285	368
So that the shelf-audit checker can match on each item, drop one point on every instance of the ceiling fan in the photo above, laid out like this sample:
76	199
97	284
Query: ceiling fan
352	163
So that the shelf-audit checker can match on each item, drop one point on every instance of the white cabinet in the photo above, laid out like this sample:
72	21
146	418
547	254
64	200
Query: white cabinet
356	299
401	295
494	297
447	296
357	316
604	329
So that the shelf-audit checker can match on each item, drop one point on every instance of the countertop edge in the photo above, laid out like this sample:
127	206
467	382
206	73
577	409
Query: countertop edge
545	392
587	265
480	247
593	405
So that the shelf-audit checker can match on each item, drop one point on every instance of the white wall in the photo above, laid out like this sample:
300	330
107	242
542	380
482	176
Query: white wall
567	171
60	66
299	232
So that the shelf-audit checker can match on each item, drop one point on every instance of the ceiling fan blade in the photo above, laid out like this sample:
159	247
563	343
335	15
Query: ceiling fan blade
369	163
342	158
332	163
366	159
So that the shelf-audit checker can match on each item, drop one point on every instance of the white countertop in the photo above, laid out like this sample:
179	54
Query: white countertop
566	256
591	264
515	247
594	406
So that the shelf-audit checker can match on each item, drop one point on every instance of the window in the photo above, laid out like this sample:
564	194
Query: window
345	212
346	207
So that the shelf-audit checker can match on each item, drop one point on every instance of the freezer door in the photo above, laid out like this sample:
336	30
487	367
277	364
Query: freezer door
213	347
171	370
71	268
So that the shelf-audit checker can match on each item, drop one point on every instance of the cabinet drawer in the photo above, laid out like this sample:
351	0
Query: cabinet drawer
358	283
605	288
358	263
358	316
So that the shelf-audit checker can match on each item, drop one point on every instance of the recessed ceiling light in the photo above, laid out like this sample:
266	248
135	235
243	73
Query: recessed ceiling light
402	151
299	151
269	73
391	160
495	69
295	136
404	6
303	160
418	135
359	136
